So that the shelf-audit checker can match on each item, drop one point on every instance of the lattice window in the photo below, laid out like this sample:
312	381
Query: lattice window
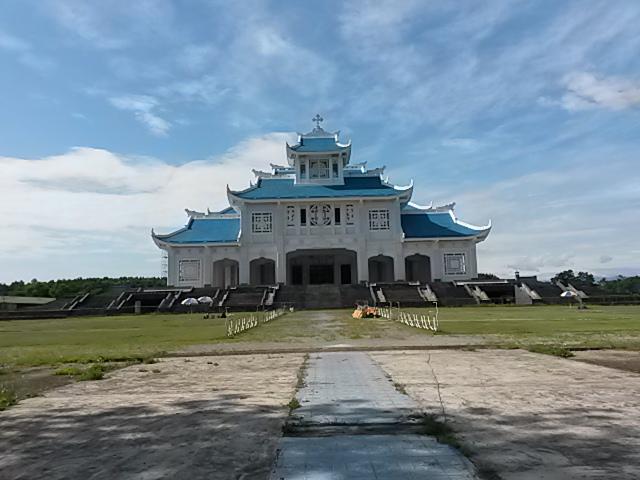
320	215
189	270
291	216
319	169
454	264
261	222
349	215
379	219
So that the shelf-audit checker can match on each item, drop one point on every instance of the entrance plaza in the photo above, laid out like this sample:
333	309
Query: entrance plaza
372	397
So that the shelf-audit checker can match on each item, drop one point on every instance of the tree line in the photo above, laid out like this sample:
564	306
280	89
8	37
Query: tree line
75	286
617	286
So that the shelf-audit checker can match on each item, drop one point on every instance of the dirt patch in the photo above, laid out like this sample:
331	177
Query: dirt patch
205	417
620	359
31	382
527	416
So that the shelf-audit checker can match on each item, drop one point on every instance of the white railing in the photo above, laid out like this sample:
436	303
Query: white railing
236	325
427	321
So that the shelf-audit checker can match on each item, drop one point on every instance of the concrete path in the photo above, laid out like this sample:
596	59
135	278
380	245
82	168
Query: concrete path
353	424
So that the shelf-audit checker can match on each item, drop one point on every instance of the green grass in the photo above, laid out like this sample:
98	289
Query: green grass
7	398
142	338
524	326
69	371
554	350
92	372
102	339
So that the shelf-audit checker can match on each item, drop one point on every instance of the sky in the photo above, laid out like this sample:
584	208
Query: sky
115	116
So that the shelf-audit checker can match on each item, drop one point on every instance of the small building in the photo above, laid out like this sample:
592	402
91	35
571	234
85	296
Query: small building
321	219
12	303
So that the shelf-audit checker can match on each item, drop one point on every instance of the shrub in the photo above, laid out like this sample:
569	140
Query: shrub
293	404
69	371
7	397
94	372
554	350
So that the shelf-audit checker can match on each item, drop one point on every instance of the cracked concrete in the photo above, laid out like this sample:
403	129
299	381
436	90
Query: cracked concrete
349	389
195	418
528	416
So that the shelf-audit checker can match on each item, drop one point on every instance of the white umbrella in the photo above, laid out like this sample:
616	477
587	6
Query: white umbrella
189	301
205	299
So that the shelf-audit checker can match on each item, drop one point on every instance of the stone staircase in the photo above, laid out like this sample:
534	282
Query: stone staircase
322	296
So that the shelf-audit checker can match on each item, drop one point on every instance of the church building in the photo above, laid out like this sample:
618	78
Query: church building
321	219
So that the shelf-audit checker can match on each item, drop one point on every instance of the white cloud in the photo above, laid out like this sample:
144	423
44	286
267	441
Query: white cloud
568	215
195	58
68	206
586	90
24	52
143	107
114	24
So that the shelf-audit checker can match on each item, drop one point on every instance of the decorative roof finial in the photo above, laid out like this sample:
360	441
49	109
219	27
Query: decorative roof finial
317	119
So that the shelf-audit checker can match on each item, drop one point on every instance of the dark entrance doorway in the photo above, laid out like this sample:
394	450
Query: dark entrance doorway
345	274
418	268
320	274
296	274
322	266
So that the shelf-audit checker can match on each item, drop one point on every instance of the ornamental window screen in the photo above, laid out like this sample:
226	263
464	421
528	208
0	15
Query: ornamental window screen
379	219
189	270
319	169
291	216
261	222
454	264
320	215
334	168
349	214
303	170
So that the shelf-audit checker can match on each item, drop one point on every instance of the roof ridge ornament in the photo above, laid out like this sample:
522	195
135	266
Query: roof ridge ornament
317	119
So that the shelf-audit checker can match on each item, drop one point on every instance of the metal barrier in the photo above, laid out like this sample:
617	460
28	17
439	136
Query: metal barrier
234	326
425	322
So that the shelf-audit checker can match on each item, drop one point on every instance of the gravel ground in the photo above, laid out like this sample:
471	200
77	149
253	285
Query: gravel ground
204	417
528	416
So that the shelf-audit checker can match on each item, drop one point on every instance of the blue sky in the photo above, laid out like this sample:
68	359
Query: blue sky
117	115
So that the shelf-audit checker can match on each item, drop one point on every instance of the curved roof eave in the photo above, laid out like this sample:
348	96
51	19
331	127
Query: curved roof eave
405	192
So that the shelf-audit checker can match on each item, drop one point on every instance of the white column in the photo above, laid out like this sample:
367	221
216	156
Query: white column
398	267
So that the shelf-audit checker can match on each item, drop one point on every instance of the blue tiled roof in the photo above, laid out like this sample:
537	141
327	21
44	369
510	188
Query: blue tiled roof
217	230
430	225
318	144
227	210
268	188
410	208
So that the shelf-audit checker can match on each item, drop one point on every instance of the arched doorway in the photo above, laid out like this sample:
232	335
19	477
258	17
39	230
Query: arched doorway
336	266
262	271
225	273
418	268
381	269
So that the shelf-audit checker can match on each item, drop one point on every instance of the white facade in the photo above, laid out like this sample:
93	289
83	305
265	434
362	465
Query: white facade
321	220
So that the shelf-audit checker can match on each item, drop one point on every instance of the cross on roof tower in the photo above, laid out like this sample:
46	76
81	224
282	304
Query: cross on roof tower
317	119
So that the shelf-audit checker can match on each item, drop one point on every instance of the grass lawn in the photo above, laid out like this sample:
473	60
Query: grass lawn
87	339
92	339
596	326
33	351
